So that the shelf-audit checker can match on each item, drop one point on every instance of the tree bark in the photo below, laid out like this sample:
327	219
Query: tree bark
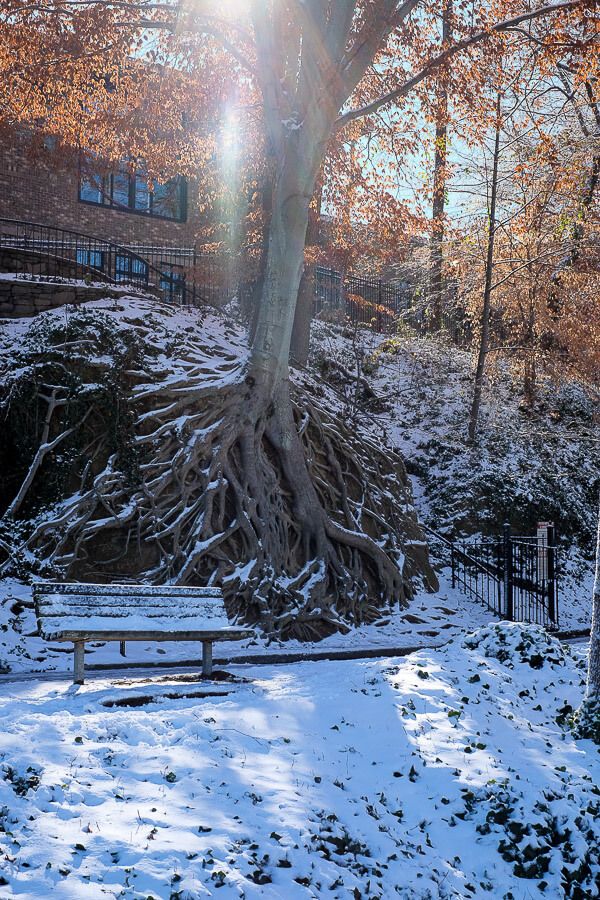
436	277
484	341
302	318
250	310
586	721
298	165
593	679
306	294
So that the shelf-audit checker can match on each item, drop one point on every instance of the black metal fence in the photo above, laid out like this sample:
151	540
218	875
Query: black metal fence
515	577
183	275
384	306
44	250
194	276
364	300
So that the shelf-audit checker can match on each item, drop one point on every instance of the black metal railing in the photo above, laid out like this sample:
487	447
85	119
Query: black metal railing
515	576
30	248
385	306
196	276
533	580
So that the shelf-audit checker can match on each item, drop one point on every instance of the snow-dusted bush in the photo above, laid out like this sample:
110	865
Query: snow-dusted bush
586	720
511	642
552	835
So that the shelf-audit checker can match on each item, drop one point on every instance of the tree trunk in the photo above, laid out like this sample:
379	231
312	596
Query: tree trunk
593	681
252	301
306	293
484	341
529	342
436	277
303	317
587	717
292	192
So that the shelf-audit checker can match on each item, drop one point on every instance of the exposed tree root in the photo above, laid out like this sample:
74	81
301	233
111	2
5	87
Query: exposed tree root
306	527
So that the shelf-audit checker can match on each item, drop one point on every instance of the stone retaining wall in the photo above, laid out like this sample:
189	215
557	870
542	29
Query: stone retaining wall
20	297
31	262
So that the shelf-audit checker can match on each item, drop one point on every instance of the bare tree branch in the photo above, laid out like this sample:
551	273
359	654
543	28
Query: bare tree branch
434	64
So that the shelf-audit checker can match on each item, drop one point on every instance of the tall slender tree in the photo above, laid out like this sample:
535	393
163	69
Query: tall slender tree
440	177
588	715
484	335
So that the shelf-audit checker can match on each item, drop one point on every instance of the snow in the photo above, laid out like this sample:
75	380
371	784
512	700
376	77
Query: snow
541	465
430	620
53	627
125	289
446	774
419	381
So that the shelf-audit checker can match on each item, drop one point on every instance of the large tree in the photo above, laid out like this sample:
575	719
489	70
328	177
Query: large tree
268	478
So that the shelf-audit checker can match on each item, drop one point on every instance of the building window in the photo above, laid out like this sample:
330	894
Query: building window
128	268
172	283
92	258
131	193
142	198
118	194
92	189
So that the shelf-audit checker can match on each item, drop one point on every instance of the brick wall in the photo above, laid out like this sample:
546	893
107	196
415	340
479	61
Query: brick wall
43	189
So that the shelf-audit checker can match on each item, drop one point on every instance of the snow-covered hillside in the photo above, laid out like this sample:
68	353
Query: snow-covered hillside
449	774
413	394
527	465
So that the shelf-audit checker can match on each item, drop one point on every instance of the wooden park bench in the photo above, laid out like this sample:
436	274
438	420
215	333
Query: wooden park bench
126	612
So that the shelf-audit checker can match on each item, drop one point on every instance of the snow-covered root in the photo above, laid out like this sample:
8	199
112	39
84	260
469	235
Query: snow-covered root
308	528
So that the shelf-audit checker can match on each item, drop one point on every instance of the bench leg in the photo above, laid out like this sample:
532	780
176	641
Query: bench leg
207	658
78	662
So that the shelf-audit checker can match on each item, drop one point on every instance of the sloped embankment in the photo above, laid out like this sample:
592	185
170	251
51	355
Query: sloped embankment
115	418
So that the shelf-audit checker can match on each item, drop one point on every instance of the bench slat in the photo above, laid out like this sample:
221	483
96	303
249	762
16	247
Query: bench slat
130	590
126	598
81	611
231	633
113	625
173	606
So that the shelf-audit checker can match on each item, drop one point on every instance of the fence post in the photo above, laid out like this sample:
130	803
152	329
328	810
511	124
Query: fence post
453	564
194	264
508	572
551	586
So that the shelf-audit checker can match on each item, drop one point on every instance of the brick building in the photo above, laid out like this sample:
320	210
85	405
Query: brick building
158	225
52	191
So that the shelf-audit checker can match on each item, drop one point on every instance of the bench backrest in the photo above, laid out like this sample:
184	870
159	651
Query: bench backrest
72	607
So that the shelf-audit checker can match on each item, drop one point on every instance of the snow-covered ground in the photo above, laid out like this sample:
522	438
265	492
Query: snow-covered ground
421	391
449	773
527	465
446	774
430	620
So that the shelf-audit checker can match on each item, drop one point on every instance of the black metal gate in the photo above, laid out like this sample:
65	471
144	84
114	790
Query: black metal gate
515	576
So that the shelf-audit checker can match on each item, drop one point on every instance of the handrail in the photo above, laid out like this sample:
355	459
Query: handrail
86	242
456	548
440	537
